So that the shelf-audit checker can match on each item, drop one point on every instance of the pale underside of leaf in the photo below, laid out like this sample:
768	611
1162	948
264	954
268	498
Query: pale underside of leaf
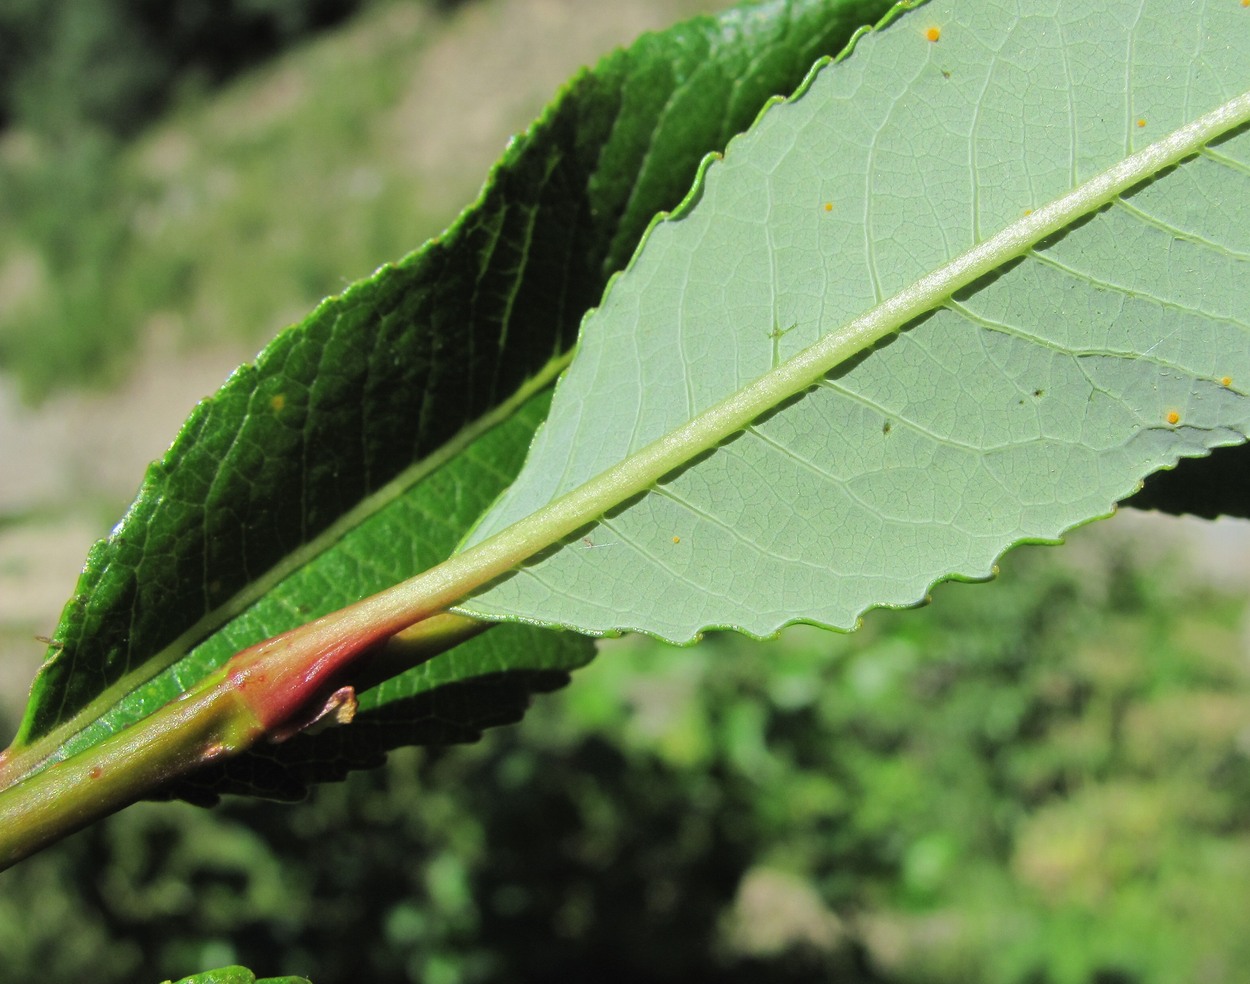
1027	403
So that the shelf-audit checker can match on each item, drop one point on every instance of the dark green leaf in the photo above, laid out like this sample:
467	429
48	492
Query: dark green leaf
358	448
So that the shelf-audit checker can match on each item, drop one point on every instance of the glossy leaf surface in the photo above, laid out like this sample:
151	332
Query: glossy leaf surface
359	447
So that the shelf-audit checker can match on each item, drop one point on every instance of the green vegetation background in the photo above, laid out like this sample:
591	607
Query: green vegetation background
1044	779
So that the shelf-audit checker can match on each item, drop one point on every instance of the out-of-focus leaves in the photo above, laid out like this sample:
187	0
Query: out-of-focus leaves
236	975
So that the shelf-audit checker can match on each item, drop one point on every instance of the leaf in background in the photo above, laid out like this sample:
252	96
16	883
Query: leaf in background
1026	404
358	448
236	975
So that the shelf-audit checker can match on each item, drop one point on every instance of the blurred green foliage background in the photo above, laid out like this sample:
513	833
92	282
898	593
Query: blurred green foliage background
140	196
1042	780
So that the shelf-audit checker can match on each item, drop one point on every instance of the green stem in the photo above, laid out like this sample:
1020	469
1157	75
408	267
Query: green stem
24	757
260	692
202	725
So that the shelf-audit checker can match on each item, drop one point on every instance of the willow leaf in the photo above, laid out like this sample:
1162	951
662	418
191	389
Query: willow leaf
1014	403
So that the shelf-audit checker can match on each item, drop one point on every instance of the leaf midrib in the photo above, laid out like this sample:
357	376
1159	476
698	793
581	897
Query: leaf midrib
449	584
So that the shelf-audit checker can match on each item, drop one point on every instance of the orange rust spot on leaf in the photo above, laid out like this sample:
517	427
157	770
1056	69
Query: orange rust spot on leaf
933	33
677	539
278	402
1173	417
96	771
1141	121
1226	381
828	206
